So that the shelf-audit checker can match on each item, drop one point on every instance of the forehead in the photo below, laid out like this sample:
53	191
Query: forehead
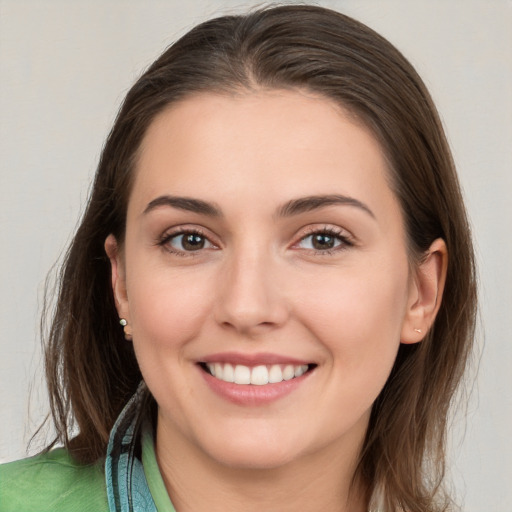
278	144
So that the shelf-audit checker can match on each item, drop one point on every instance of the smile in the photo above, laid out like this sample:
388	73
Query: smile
260	375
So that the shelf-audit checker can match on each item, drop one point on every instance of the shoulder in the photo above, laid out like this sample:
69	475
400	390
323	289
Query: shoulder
52	481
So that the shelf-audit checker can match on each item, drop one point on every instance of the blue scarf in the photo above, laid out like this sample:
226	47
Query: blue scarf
127	487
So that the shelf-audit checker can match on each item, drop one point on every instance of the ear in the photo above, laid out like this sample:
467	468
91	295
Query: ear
118	276
425	293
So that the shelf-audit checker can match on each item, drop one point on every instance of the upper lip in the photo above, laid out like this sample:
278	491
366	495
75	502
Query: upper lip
261	358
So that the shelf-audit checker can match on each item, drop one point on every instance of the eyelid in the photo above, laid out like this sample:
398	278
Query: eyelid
325	227
346	238
175	231
342	234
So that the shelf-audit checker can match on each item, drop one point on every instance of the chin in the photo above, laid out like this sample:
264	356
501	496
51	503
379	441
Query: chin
252	452
254	459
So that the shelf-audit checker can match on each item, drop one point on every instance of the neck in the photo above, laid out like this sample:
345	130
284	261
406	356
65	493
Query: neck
197	483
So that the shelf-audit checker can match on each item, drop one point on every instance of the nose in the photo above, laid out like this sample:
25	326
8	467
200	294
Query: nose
251	299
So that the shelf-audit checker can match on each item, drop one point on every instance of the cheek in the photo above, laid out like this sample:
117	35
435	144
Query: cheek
359	325
167	311
357	314
166	308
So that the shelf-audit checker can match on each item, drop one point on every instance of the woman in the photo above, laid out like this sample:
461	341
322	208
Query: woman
270	300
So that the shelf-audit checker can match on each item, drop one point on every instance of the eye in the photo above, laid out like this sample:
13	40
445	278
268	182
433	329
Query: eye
186	241
325	240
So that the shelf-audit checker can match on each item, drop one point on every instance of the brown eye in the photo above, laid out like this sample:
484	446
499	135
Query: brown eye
192	242
324	241
189	242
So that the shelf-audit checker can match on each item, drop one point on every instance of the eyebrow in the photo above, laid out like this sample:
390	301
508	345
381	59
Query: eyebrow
309	203
290	208
185	203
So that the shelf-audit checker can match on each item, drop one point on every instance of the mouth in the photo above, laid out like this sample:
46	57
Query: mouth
257	375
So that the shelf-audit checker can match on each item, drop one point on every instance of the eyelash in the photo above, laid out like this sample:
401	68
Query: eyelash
338	234
167	237
346	242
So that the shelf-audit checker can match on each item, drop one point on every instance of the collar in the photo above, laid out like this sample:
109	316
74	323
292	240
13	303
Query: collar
127	486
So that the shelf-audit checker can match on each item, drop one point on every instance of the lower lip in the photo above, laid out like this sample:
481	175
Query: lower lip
250	394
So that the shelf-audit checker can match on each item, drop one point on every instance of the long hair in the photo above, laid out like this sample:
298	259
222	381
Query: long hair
92	370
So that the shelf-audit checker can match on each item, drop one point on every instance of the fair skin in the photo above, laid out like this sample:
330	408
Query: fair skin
255	278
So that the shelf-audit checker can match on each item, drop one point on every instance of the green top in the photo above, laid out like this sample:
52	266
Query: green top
153	475
54	482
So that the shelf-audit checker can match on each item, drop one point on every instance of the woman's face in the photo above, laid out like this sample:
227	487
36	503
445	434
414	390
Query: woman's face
263	241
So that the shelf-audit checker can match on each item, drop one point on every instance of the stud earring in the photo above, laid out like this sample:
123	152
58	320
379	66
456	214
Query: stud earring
127	331
417	330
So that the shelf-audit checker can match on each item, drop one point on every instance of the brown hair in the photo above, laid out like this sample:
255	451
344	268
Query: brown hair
92	370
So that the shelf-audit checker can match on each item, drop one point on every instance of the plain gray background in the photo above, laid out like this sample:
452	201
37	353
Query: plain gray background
66	65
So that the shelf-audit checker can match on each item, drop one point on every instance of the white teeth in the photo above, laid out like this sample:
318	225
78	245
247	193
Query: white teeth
219	371
229	373
257	375
275	374
242	374
300	370
288	372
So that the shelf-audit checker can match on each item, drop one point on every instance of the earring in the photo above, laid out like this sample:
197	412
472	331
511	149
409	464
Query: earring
417	330
126	328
